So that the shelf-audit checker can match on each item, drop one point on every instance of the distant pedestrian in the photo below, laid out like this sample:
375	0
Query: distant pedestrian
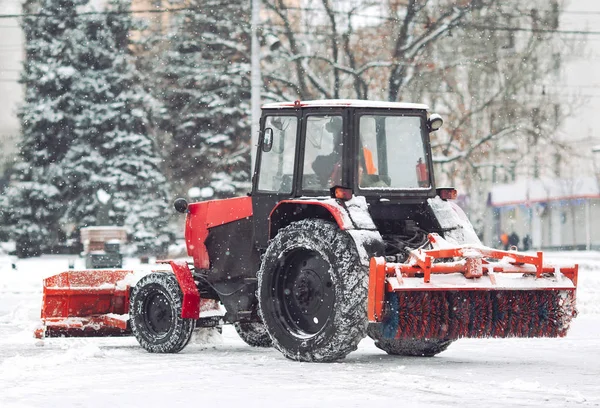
504	240
513	240
526	242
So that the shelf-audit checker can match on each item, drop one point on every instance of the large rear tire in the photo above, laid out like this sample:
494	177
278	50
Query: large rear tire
254	334
407	347
155	314
312	291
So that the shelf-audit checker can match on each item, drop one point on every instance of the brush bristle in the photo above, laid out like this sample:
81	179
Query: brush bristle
500	313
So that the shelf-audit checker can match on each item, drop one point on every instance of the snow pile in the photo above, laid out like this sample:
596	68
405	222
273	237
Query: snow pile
20	365
26	275
535	386
206	337
5	264
471	373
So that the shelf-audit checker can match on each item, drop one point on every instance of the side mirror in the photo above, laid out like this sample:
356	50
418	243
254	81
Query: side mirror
434	122
267	140
181	205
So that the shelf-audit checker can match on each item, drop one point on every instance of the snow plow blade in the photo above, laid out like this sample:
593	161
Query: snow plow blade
451	292
86	303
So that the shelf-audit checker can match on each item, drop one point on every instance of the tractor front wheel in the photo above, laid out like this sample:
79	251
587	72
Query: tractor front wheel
155	314
312	291
407	347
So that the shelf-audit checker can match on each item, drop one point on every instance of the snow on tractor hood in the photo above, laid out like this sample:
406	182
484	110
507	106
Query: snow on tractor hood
454	220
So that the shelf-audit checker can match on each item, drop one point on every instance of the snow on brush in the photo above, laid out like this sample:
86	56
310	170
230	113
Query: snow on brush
223	370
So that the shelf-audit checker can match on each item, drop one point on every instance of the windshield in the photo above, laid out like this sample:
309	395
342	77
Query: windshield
392	153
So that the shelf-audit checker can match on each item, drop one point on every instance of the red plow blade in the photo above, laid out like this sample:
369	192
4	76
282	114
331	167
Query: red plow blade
86	303
450	292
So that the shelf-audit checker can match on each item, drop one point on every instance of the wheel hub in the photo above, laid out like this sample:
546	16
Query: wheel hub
158	313
306	292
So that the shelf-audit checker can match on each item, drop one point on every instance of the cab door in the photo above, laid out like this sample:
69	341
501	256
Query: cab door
275	171
322	152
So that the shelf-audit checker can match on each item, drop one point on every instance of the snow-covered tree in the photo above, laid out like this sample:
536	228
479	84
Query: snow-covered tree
113	151
31	206
201	73
85	129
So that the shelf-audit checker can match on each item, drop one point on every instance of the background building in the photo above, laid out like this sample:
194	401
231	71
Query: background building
563	211
579	86
553	213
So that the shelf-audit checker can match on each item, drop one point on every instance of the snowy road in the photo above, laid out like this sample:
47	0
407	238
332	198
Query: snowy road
471	373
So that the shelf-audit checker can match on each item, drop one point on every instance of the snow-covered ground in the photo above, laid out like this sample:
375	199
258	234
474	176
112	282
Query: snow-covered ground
101	372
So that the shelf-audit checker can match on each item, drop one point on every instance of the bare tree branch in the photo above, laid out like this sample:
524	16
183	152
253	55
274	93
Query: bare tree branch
360	86
467	153
334	48
281	10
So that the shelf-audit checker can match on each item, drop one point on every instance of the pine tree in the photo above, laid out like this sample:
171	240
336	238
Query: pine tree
31	206
113	152
203	82
85	130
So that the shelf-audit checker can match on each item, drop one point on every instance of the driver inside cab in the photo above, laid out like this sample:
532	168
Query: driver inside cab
328	168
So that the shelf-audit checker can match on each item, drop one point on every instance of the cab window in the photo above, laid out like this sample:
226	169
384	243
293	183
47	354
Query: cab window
277	165
323	148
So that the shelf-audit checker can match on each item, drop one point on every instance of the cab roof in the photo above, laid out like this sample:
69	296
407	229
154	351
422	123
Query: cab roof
345	103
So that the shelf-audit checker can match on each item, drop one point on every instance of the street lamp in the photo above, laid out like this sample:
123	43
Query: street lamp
255	78
595	157
509	148
596	169
588	215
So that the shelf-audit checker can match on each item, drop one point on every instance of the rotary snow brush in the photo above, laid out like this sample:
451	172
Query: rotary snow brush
450	292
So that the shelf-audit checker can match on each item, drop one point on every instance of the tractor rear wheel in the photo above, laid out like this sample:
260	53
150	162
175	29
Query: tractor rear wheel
155	314
312	290
254	334
407	347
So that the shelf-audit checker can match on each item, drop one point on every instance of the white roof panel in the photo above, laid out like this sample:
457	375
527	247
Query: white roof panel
524	192
357	103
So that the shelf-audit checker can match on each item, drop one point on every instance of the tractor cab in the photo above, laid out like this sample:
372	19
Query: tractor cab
306	148
378	150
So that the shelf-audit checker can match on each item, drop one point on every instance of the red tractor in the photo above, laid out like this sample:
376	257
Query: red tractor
344	235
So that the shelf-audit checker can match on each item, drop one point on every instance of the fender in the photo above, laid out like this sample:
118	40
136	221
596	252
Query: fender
287	211
207	214
351	216
190	305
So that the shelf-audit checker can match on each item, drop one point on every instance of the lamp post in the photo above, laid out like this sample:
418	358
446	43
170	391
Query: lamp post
588	210
510	152
255	79
509	149
595	156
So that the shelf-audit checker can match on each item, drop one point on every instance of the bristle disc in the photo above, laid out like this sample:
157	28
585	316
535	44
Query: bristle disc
499	313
